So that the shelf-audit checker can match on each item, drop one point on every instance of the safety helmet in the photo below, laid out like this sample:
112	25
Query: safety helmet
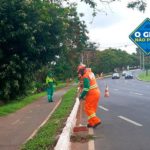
88	69
81	67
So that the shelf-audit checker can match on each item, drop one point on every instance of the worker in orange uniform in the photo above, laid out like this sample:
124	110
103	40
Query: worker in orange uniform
91	95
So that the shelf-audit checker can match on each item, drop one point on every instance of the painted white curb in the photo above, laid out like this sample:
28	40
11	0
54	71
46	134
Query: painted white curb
64	139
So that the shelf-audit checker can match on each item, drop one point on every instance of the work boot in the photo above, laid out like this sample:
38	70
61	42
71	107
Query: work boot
96	124
89	126
49	98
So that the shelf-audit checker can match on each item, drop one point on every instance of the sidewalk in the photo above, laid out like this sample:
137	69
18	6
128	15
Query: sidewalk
16	128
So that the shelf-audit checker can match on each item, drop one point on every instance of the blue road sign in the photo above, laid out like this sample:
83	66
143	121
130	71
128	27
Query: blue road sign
141	36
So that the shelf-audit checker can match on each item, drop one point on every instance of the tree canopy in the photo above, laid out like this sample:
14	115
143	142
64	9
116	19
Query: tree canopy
32	34
110	59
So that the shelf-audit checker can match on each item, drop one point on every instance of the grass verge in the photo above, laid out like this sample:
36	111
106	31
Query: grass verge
46	137
144	77
18	104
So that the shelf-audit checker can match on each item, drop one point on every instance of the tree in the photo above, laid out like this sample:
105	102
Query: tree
108	60
33	33
138	4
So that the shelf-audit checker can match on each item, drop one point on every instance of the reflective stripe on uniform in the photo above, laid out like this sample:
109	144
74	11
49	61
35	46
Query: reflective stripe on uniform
93	86
85	89
49	80
91	116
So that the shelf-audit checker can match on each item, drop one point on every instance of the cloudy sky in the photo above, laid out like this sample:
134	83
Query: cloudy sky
113	25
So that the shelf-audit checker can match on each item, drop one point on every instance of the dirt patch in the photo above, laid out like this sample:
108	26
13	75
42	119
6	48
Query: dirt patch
81	138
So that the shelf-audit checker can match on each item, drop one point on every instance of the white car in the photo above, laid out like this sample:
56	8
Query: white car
115	76
124	73
129	75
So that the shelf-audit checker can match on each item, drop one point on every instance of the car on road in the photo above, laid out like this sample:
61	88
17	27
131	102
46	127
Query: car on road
115	76
124	73
128	75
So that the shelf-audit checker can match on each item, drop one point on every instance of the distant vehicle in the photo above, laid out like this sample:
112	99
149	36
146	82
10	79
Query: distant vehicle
115	76
128	75
124	73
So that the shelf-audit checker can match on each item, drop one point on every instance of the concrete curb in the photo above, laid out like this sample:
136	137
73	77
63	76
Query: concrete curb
64	139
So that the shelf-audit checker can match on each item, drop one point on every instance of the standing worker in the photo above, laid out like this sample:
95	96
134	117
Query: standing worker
91	95
50	86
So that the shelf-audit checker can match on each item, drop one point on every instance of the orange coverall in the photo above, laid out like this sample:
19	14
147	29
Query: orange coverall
92	97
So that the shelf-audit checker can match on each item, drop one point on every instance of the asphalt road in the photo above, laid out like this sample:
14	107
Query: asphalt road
125	115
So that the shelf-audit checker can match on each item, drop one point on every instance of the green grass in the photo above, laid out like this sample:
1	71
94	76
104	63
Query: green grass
144	77
46	136
18	104
60	85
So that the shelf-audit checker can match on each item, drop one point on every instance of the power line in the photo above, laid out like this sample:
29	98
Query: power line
117	45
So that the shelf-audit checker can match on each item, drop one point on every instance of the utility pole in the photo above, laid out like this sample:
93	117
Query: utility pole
87	58
140	60
82	58
143	62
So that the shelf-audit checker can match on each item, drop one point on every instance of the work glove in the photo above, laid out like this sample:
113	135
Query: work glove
80	98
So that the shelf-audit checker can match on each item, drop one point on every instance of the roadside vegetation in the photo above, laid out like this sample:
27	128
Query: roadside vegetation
113	59
145	76
47	136
22	102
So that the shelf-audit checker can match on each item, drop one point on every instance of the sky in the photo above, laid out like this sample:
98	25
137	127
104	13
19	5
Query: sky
113	25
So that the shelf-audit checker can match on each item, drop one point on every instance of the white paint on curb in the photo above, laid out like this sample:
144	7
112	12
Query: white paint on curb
64	139
91	145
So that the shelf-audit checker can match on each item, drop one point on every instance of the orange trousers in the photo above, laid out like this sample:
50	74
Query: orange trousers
91	104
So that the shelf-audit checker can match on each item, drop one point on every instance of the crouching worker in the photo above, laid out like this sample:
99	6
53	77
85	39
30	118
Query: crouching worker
50	86
91	95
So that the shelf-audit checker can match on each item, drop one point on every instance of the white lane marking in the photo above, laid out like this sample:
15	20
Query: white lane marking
136	93
131	121
116	89
91	145
103	108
